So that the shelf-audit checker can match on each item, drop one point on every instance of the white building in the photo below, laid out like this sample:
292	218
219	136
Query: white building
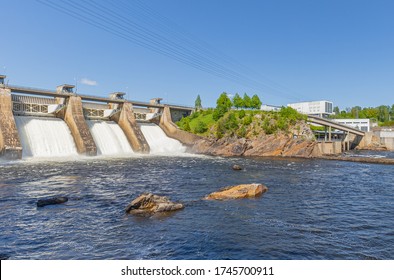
362	124
321	108
270	108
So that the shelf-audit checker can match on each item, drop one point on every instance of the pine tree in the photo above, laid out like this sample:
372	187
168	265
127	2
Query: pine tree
197	103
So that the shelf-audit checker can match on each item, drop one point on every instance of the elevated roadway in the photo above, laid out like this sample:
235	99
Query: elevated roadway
335	125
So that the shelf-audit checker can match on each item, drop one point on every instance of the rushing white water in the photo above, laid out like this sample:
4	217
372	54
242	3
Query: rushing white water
45	137
109	138
159	142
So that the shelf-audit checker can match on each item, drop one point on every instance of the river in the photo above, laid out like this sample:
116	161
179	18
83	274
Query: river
314	209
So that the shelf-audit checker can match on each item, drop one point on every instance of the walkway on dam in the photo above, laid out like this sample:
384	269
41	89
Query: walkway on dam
43	92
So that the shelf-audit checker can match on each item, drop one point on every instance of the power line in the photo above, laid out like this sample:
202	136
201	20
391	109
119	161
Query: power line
194	55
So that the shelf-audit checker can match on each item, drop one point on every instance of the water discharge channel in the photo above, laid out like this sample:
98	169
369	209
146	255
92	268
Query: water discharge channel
109	138
43	137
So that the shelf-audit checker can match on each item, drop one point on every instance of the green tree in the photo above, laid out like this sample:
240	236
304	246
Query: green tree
238	102
255	102
241	114
371	113
201	127
197	103
355	112
247	101
392	112
223	104
336	110
383	113
184	124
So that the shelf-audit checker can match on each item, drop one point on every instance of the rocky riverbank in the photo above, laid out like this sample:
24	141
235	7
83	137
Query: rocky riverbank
389	161
268	145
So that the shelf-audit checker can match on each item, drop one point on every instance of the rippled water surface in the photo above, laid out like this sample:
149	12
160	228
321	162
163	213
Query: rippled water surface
314	209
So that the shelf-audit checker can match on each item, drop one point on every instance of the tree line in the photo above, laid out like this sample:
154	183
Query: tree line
224	103
383	114
245	102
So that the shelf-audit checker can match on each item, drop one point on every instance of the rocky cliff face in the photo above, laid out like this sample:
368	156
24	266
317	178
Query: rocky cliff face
268	145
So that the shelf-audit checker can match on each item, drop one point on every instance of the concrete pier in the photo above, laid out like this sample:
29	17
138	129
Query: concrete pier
10	145
173	131
74	118
127	122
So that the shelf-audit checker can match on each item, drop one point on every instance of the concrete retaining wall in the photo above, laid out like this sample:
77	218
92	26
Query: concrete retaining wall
388	142
10	145
128	124
74	118
330	148
174	132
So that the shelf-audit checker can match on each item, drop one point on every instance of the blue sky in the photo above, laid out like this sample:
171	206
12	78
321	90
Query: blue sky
341	51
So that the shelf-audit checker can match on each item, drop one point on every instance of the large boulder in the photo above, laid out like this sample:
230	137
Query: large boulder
236	192
147	204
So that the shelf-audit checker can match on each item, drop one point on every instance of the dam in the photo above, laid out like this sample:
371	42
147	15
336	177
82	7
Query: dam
37	123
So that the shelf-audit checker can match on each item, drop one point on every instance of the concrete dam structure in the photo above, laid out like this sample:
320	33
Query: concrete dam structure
47	124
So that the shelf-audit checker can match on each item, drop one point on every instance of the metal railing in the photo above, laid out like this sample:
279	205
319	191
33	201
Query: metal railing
140	116
21	108
92	113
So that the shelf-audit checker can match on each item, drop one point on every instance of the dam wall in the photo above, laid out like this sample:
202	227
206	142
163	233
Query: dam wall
56	123
172	130
74	118
10	145
330	148
127	122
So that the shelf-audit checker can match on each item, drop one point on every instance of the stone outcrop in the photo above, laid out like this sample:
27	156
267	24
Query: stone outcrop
237	192
51	201
268	145
74	118
128	124
10	145
148	204
172	130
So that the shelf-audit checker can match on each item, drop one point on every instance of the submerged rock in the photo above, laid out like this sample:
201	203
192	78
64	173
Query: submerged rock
51	201
236	192
148	203
237	167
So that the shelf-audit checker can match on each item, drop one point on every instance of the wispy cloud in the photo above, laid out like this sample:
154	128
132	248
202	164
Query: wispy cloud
86	81
230	95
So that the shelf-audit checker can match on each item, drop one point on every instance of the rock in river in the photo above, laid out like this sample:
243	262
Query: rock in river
51	201
237	167
240	191
148	203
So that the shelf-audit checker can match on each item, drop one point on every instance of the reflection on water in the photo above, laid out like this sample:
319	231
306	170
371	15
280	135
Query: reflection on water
314	209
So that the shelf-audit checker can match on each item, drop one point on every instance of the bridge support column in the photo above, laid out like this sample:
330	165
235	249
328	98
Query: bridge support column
10	145
128	124
74	118
329	133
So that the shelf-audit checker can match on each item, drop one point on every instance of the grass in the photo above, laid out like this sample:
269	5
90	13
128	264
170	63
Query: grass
240	123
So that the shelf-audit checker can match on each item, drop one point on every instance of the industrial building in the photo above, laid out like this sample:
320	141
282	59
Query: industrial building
361	124
321	108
